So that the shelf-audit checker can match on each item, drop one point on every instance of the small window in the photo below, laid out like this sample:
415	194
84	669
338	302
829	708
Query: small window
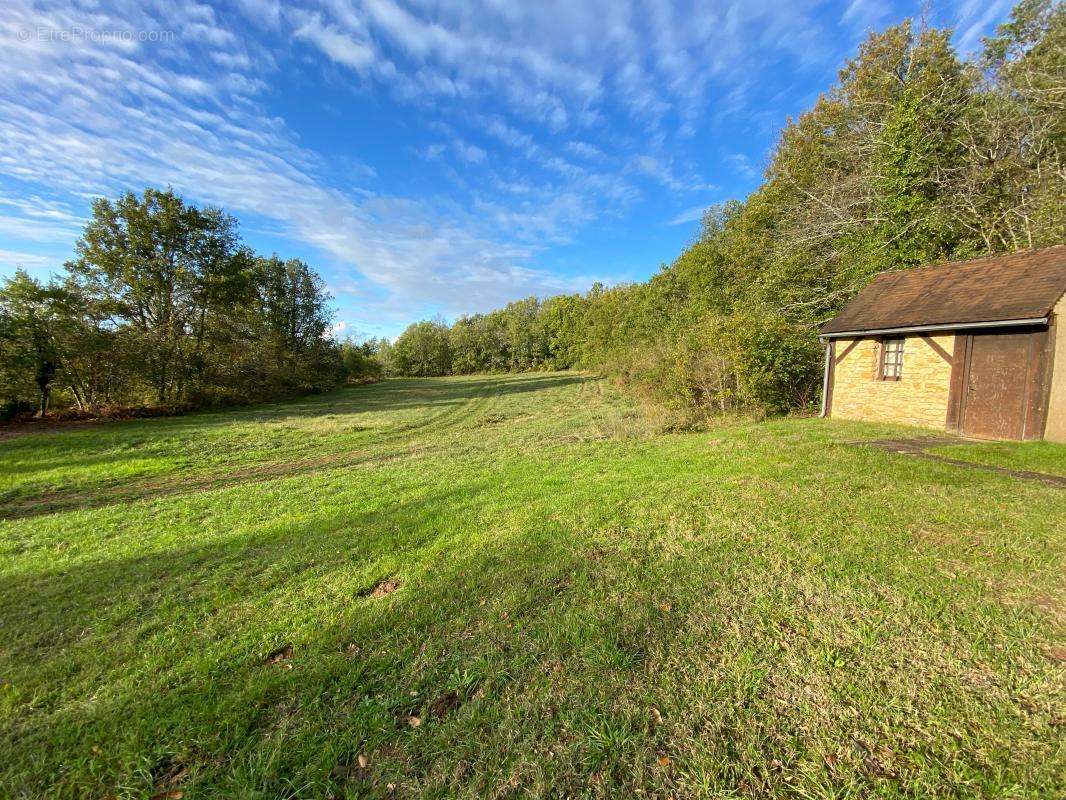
891	359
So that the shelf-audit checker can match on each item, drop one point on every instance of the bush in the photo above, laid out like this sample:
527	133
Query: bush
747	362
13	408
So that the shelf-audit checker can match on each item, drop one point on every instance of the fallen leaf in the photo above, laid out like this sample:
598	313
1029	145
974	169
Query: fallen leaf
656	717
414	721
362	760
665	607
664	761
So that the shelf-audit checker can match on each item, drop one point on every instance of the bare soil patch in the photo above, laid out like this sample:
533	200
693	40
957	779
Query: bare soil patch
384	589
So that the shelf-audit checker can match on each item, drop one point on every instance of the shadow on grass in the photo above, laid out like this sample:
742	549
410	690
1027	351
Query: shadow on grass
172	647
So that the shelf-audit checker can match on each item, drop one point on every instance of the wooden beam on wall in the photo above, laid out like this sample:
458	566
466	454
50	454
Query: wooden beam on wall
940	351
848	349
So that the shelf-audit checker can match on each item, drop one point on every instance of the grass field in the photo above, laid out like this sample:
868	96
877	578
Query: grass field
518	587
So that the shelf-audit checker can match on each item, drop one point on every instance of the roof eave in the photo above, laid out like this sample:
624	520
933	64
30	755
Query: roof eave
950	326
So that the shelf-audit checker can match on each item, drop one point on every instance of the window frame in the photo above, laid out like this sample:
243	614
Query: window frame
896	363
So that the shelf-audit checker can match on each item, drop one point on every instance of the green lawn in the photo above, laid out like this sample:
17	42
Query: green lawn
580	605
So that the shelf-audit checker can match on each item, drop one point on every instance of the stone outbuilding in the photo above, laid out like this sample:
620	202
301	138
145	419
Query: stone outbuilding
976	348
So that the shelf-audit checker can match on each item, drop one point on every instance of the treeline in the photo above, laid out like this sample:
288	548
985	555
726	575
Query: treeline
914	156
164	306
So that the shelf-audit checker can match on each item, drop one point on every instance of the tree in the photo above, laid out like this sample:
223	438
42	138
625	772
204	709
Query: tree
29	327
167	266
294	314
361	361
423	350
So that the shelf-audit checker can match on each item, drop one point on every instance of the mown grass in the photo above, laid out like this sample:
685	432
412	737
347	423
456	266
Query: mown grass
586	606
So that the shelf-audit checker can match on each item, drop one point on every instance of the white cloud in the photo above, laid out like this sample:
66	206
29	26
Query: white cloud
584	150
741	164
470	153
13	259
693	214
864	14
664	173
432	152
976	20
98	119
341	47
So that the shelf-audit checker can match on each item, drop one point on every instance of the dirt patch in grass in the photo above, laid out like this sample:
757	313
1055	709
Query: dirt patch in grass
280	656
168	771
384	589
444	705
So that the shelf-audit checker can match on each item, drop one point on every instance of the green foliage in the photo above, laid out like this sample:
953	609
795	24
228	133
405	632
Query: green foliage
423	350
362	362
163	305
916	146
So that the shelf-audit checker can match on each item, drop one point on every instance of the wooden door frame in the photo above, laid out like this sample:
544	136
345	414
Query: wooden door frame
960	372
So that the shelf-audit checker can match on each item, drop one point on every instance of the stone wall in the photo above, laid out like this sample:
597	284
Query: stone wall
1055	429
919	397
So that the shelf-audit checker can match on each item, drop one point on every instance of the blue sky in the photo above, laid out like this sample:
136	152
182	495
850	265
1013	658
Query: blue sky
426	156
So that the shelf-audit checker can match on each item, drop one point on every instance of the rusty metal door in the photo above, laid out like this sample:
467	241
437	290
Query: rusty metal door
995	386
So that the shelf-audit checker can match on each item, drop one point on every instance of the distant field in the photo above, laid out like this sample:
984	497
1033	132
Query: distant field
516	586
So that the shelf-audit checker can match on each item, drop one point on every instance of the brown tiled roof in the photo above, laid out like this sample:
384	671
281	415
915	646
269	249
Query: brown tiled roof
1023	285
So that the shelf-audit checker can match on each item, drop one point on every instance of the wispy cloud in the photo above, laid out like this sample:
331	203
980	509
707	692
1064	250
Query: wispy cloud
470	153
975	20
741	164
13	259
693	214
